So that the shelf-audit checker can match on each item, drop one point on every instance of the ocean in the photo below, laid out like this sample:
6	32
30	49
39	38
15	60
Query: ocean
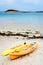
21	18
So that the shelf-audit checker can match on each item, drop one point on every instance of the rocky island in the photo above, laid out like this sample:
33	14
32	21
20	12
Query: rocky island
11	10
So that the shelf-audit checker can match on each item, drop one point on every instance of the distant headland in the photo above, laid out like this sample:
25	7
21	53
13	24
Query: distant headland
12	10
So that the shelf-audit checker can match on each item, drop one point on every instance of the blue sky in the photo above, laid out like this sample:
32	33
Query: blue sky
25	5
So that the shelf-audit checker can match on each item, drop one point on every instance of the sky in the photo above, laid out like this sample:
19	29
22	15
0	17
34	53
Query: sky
24	5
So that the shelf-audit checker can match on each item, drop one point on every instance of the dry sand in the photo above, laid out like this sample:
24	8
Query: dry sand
35	58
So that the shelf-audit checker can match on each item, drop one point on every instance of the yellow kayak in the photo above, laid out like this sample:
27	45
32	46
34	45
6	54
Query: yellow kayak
10	50
23	51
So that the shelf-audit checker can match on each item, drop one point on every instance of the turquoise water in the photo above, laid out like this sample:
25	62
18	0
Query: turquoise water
21	18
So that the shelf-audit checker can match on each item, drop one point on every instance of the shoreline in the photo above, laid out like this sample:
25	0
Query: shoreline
29	31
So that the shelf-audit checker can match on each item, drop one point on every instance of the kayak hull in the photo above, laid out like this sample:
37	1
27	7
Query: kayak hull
30	49
12	57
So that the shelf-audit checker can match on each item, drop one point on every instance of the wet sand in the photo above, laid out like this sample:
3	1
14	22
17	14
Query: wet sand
35	58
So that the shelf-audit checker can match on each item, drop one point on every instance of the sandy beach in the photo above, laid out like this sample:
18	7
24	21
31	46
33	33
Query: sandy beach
35	58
